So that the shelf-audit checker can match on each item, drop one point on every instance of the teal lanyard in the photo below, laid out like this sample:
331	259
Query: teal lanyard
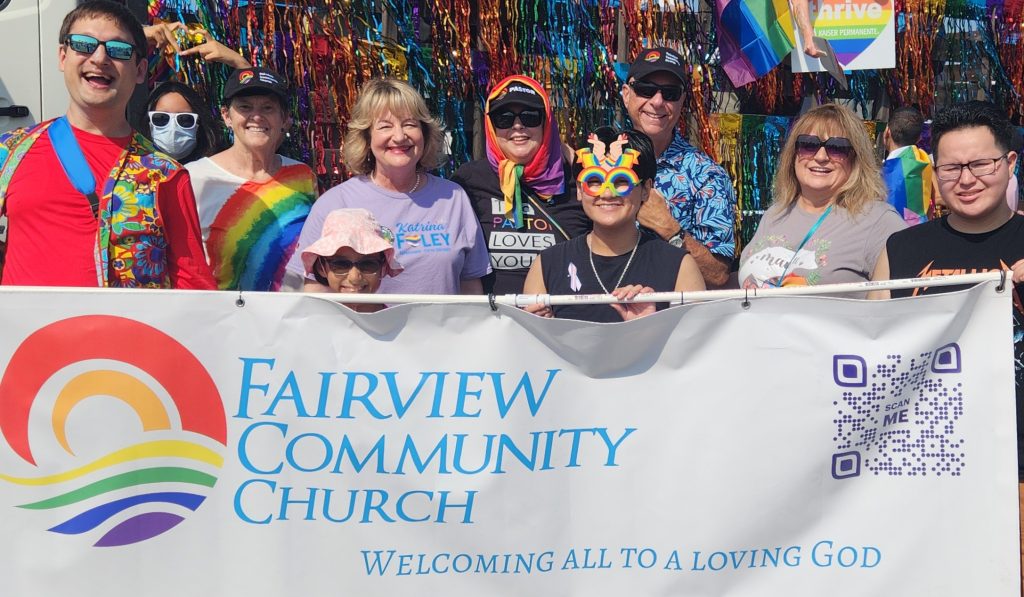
807	237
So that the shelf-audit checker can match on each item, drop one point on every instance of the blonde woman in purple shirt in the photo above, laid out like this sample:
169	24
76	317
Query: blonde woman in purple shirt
392	141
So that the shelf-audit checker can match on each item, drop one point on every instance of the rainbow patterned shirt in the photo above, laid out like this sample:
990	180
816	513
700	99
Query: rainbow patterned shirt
250	228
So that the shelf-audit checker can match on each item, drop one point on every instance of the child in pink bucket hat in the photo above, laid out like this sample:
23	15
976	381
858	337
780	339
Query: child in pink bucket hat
354	252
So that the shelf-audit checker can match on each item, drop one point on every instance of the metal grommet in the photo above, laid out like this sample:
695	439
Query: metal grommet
491	300
746	299
1002	281
239	302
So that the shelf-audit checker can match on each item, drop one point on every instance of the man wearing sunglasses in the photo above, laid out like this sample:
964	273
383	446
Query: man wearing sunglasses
108	209
695	204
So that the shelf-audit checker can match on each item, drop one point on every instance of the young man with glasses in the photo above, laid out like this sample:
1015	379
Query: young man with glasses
974	160
695	205
93	193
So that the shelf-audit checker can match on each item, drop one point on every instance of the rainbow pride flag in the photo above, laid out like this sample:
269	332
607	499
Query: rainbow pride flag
909	179
254	235
753	36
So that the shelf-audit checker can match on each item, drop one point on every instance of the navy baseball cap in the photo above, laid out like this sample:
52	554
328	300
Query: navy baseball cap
657	60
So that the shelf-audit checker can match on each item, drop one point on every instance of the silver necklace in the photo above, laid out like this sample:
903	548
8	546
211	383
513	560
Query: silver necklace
629	262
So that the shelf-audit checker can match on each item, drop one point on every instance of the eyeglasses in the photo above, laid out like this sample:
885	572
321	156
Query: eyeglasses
507	118
341	266
837	148
87	44
185	120
982	167
646	90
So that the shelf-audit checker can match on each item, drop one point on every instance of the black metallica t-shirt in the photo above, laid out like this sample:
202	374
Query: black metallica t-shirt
937	249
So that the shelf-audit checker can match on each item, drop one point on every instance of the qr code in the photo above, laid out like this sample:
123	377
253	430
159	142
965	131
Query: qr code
899	417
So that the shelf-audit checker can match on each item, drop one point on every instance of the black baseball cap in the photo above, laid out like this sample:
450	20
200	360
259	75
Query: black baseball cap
657	60
517	93
255	81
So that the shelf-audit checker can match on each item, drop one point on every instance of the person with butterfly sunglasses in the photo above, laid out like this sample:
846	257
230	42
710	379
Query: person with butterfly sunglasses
110	208
519	191
614	178
693	204
829	218
353	254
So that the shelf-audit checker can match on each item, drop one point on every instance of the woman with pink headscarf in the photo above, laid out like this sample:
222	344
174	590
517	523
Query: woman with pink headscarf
519	192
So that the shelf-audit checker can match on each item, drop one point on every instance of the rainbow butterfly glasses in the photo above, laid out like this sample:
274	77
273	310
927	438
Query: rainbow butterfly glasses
612	171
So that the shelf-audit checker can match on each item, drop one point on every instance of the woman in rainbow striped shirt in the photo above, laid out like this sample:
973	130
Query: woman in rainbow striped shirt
252	201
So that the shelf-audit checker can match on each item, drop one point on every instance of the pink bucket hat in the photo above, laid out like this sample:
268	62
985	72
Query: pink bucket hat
358	230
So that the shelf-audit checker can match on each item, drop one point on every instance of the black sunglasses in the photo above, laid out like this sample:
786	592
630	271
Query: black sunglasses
185	120
646	90
506	119
837	148
87	44
341	266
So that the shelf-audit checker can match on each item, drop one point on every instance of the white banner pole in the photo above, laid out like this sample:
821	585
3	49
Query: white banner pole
521	300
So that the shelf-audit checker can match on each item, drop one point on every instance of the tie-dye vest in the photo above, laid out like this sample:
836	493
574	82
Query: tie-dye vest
131	248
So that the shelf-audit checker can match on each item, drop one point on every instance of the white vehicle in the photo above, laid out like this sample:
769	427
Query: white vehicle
31	85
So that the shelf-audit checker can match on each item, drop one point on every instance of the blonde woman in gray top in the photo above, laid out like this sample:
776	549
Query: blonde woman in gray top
829	220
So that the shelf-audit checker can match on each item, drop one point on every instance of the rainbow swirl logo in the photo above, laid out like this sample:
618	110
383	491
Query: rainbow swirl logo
137	491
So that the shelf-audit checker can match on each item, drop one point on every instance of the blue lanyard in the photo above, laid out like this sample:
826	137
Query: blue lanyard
807	237
72	161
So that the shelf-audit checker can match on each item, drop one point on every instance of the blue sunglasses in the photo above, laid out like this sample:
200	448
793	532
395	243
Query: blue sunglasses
87	44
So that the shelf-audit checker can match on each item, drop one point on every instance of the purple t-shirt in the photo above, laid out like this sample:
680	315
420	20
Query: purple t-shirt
437	236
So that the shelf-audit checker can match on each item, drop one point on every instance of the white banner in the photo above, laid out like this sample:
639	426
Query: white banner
172	443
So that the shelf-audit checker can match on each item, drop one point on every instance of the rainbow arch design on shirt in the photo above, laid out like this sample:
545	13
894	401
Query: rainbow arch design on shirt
139	491
255	233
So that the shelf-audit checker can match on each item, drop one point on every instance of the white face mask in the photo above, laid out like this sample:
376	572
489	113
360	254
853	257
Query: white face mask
171	138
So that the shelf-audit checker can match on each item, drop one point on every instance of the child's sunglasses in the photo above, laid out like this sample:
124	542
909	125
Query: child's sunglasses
87	44
341	265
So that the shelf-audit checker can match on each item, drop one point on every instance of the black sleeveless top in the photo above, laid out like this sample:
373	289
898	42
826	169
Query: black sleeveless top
566	268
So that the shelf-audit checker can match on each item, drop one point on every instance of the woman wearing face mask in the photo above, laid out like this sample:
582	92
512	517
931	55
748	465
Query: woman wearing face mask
253	202
392	141
180	123
613	177
519	192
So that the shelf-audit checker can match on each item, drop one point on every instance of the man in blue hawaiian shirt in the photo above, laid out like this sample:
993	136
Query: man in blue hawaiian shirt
697	206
